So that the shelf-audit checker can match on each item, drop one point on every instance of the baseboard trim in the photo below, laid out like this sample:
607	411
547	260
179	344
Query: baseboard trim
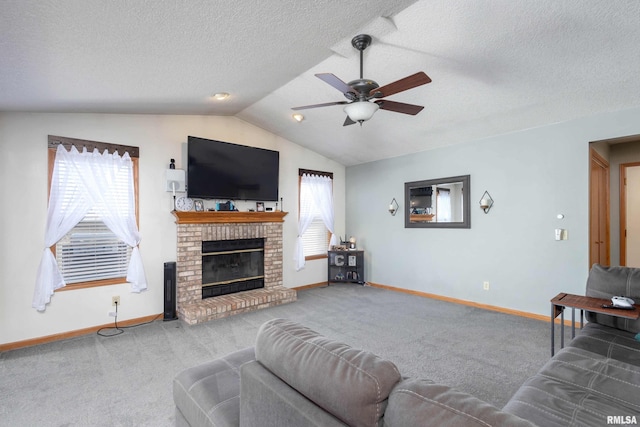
73	334
312	285
526	314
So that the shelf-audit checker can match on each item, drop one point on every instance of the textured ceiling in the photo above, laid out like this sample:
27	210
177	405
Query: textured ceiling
496	65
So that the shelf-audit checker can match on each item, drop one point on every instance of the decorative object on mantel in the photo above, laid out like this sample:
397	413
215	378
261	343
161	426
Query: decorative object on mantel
486	202
184	204
393	207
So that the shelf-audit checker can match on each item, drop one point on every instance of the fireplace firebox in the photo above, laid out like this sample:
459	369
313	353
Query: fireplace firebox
230	266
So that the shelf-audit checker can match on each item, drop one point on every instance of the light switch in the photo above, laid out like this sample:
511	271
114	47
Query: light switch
561	234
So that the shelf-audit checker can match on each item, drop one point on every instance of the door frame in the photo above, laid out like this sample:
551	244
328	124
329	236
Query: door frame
595	157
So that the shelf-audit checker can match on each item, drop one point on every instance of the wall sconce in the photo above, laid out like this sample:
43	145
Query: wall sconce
393	207
486	202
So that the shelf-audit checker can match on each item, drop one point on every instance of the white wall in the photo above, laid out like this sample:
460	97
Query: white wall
23	153
532	175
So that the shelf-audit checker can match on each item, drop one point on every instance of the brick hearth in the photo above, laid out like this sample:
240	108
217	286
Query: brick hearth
195	227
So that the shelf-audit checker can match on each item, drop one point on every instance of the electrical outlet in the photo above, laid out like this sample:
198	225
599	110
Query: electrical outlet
115	301
485	286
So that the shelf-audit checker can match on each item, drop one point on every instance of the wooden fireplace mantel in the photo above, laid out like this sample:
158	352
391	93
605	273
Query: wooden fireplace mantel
210	217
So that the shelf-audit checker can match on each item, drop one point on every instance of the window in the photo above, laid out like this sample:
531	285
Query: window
315	239
315	215
90	254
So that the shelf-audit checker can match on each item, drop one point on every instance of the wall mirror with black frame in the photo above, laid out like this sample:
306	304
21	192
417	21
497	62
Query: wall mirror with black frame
438	203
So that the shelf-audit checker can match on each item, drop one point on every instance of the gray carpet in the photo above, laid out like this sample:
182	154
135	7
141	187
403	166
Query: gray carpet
126	380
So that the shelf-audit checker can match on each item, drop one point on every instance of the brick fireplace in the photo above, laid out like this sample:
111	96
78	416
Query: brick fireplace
196	227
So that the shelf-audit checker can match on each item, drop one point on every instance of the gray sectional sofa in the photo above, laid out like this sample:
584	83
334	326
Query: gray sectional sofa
296	377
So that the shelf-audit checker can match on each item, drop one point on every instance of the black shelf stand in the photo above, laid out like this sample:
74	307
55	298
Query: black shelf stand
345	267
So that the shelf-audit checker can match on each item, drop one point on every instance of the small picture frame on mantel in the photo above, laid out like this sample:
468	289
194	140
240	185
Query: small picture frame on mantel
198	205
259	206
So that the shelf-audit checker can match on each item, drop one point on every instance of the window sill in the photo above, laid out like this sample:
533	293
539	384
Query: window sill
93	284
312	257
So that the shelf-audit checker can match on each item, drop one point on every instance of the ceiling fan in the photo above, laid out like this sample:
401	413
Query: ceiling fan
360	92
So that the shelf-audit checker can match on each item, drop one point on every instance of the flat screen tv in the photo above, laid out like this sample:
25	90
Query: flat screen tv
222	170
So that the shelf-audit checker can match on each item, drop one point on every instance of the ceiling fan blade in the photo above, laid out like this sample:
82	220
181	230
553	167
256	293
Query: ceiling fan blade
409	82
348	121
326	104
335	82
399	107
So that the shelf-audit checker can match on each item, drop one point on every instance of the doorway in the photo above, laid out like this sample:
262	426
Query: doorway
629	210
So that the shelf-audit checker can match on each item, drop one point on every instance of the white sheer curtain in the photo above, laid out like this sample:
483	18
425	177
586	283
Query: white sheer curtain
69	203
316	195
443	213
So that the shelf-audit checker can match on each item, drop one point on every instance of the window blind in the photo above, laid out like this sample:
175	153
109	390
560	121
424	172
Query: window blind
315	238
91	251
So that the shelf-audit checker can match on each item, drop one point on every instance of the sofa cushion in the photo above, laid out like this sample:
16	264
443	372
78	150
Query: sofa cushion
267	401
609	342
605	282
416	402
209	394
351	384
578	387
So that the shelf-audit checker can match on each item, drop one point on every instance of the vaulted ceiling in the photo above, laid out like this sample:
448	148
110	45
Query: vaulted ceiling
497	65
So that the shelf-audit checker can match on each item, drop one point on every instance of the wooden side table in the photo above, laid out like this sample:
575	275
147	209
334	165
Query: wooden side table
563	300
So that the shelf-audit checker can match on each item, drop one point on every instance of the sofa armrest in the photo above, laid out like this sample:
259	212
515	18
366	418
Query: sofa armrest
267	401
413	401
209	394
605	282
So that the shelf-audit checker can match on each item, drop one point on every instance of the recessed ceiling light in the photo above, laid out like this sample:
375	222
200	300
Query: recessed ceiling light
298	117
220	96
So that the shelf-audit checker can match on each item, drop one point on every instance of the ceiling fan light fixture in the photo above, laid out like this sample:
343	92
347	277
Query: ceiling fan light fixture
298	117
360	92
361	111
